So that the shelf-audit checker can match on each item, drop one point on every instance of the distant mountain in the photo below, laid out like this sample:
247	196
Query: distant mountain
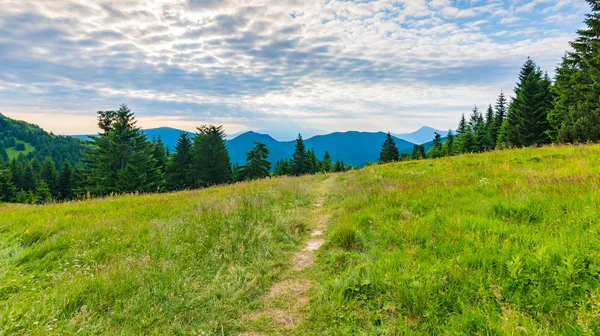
356	148
422	135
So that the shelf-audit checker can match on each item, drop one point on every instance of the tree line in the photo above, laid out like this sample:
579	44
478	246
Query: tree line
122	160
541	112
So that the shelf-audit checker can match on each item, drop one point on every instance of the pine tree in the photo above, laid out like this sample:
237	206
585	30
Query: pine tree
436	147
7	188
418	152
482	137
489	119
339	166
450	148
326	165
466	141
474	118
50	176
3	155
159	152
257	166
528	112
282	168
314	166
42	193
576	114
237	173
299	164
65	182
389	150
179	168
501	110
462	125
211	164
121	159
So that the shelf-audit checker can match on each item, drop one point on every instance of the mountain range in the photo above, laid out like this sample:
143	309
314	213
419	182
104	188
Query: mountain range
353	147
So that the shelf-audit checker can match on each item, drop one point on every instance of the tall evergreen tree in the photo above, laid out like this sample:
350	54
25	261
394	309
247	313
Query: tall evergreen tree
450	148
257	166
389	150
65	182
179	167
237	173
339	166
282	167
500	110
50	175
211	164
576	114
528	112
489	119
299	163
7	187
314	166
159	152
3	155
121	159
326	165
436	147
462	125
418	152
466	141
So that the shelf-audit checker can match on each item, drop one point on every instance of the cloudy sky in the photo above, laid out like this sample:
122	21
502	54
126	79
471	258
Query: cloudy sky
281	66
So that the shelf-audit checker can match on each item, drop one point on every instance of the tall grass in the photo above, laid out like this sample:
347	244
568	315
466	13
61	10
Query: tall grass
500	243
181	263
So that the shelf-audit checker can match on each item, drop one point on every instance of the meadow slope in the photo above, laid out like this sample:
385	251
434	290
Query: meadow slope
497	243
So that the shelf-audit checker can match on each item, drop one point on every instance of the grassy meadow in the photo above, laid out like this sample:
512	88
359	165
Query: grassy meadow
500	243
13	153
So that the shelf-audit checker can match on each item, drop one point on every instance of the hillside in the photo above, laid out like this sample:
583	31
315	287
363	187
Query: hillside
497	243
36	142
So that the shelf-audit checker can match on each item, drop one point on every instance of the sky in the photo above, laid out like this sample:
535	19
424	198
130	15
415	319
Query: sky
276	66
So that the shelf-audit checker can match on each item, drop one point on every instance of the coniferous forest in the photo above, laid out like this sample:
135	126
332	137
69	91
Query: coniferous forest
37	167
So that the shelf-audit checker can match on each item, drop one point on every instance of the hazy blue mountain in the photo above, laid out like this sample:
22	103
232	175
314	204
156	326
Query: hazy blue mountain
422	135
355	148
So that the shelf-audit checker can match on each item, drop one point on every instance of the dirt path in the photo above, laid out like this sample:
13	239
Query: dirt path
283	305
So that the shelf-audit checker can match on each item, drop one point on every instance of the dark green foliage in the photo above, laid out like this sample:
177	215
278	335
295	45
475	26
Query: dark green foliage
418	152
483	140
65	182
448	147
299	164
46	144
389	150
257	165
42	193
501	110
528	112
462	125
7	187
122	159
3	155
179	167
282	168
466	141
237	173
339	166
576	114
436	148
159	152
210	160
314	166
50	176
326	165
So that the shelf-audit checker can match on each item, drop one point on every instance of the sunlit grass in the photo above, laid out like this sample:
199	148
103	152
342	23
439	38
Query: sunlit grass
500	243
13	153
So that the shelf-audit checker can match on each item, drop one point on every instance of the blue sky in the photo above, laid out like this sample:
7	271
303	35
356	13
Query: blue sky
280	66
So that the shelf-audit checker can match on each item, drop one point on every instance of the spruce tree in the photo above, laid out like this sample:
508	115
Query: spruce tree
42	193
50	175
436	147
257	166
489	119
3	155
576	114
466	141
121	159
65	182
211	164
179	167
450	148
299	164
418	152
474	118
237	173
326	165
339	166
528	112
282	167
314	166
389	150
462	125
7	187
500	110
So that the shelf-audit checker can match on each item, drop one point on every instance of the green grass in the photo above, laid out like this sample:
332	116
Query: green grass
13	153
182	263
499	243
